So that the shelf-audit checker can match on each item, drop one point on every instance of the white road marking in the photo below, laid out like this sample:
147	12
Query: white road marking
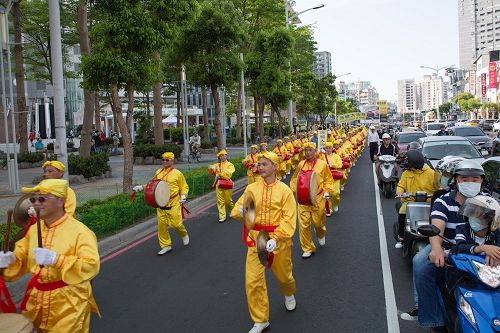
391	310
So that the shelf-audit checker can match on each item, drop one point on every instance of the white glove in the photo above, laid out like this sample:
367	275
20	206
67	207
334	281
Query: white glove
138	188
240	211
45	257
323	151
32	211
326	195
291	155
212	167
271	245
6	259
183	199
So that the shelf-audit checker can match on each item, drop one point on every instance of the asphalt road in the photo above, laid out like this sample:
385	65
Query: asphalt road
200	288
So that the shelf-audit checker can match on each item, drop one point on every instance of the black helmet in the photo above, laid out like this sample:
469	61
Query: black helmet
414	146
468	168
415	159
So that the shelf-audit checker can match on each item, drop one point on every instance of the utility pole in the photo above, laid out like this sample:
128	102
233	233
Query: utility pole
185	125
60	148
244	108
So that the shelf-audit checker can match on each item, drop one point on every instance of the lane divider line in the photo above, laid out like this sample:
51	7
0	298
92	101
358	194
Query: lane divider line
391	310
151	235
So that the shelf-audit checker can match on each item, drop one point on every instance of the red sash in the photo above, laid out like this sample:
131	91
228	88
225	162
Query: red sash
34	283
251	242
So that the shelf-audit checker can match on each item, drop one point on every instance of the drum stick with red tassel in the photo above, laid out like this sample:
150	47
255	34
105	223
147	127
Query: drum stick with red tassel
6	237
6	304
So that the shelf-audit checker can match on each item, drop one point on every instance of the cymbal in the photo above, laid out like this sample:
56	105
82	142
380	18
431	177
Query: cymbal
21	216
262	239
249	211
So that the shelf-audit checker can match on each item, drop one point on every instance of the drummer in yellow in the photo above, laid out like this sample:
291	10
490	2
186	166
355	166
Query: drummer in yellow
334	162
251	164
222	170
170	216
63	267
263	147
314	214
289	147
282	153
276	212
297	145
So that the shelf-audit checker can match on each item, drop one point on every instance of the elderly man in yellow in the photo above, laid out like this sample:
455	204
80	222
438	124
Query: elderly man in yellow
251	164
59	295
314	214
334	163
297	145
223	171
283	154
170	216
289	147
263	147
276	212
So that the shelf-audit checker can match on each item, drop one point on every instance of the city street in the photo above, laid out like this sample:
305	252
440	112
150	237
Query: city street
200	288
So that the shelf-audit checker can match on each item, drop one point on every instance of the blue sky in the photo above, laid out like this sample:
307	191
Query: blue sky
385	40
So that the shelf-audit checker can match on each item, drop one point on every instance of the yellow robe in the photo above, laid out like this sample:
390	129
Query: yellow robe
171	217
334	162
70	204
248	162
274	206
313	214
224	170
290	149
281	152
65	309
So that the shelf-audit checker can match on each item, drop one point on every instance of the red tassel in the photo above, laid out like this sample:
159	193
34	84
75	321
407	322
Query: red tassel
7	306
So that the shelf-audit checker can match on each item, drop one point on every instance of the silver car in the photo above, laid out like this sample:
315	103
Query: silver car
475	135
435	148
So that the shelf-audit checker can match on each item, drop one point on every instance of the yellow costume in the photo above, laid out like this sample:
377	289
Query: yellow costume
250	163
70	204
68	301
289	147
171	215
282	153
334	162
223	170
274	207
416	180
313	214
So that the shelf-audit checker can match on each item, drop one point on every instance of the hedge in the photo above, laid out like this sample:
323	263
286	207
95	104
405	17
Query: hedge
30	157
94	165
156	151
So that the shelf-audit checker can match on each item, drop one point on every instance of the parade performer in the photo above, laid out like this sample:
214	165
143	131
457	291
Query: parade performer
334	163
303	140
223	171
170	216
251	164
263	147
276	212
59	294
297	145
345	154
282	153
290	148
314	214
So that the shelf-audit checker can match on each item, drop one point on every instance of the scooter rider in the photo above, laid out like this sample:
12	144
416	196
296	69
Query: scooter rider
428	264
386	148
418	176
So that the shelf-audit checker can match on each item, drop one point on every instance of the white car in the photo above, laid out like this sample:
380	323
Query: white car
461	122
433	128
496	126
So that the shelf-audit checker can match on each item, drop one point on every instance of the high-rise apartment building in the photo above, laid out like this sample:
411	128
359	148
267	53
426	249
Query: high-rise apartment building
407	95
432	92
323	64
479	29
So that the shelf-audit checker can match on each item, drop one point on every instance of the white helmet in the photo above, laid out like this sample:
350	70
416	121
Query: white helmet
372	127
386	136
482	211
445	170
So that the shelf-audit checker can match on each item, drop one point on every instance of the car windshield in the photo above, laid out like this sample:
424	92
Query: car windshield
438	149
434	127
469	131
410	137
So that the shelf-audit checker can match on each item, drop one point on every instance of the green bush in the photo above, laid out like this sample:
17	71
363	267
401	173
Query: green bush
206	144
94	165
50	146
156	151
14	229
175	133
30	157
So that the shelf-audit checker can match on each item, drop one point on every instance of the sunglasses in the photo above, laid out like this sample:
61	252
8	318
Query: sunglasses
166	160
39	199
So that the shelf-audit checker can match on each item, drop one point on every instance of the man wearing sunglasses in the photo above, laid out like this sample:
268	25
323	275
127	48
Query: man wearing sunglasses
170	216
59	294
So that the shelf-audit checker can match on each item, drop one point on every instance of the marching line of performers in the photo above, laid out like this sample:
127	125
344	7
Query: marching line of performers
61	253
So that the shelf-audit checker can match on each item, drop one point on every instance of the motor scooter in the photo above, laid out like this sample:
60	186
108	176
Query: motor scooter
388	175
417	214
470	298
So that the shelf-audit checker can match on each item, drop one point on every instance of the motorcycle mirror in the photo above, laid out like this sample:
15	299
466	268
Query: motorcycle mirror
429	230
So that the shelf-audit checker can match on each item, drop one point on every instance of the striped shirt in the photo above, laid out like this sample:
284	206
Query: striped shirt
445	208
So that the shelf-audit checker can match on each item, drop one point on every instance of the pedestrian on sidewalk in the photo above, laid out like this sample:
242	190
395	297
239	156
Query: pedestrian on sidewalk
223	185
59	295
276	212
170	216
313	214
32	138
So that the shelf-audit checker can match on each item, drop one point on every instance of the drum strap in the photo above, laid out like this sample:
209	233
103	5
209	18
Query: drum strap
258	227
34	283
312	168
7	306
326	158
30	223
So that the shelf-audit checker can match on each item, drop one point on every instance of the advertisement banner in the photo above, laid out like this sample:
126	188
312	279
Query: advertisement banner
483	84
322	139
349	117
492	70
382	106
472	82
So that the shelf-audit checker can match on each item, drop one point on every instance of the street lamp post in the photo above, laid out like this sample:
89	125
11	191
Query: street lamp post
345	97
437	75
287	21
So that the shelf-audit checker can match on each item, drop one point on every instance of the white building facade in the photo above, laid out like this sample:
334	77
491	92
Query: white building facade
323	64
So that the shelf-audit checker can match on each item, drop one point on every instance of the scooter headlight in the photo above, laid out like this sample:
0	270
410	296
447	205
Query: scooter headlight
467	310
488	275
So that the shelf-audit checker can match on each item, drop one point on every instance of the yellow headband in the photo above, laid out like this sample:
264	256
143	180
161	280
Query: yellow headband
263	144
56	164
279	141
328	144
57	187
287	137
222	152
254	146
271	157
168	155
310	145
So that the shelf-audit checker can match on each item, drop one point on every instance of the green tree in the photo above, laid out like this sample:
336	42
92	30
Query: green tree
324	97
444	110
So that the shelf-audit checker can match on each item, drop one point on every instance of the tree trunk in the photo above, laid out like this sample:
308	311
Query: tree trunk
178	95
128	162
97	111
239	113
204	106
262	105
22	109
158	116
272	117
256	116
217	122
280	122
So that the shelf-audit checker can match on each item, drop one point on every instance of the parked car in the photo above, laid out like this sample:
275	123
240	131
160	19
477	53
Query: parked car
496	125
402	139
491	182
476	135
435	148
433	128
495	145
486	124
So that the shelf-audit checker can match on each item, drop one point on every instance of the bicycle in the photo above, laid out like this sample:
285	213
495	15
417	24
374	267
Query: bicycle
194	155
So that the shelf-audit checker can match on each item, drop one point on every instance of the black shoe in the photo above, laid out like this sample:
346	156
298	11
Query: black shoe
410	315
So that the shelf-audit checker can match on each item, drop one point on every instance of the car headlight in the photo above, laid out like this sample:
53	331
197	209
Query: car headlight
488	275
467	310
